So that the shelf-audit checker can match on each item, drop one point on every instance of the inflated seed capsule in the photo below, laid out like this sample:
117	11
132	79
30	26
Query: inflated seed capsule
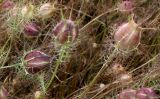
65	30
36	61
128	35
31	29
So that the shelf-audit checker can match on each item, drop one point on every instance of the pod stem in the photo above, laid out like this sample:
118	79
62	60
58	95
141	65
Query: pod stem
62	55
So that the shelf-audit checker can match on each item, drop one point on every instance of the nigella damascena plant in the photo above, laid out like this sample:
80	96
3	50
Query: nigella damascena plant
146	93
126	6
128	35
31	29
66	30
36	61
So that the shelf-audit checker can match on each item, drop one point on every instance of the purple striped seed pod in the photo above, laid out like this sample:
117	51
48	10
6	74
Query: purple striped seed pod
146	93
128	35
31	29
36	61
3	93
65	30
127	94
126	6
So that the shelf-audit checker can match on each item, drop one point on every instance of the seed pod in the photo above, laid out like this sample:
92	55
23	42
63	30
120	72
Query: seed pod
3	93
128	35
7	4
31	29
35	61
127	94
126	6
146	93
66	30
46	10
27	11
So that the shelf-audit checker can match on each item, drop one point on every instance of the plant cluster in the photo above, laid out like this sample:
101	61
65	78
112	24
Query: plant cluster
78	50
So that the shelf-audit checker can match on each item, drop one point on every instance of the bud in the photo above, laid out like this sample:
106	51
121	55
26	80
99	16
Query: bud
126	6
27	11
7	4
128	35
31	29
146	93
127	94
35	61
3	93
66	30
117	69
46	10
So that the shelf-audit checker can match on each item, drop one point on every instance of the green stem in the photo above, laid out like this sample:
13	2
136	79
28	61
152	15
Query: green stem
5	67
62	54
